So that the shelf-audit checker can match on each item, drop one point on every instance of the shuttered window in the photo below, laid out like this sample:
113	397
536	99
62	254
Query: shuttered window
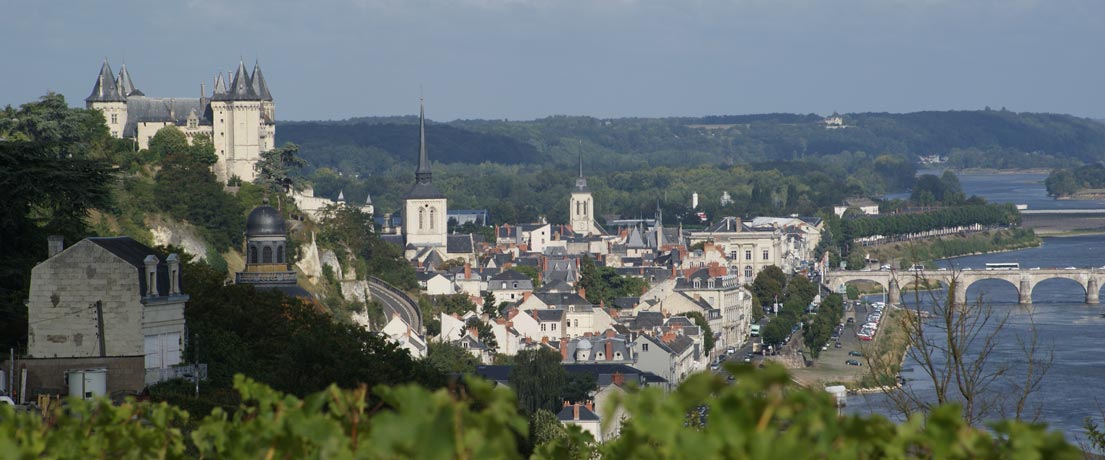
162	350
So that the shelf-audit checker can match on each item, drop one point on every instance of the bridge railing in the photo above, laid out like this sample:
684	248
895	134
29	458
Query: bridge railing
400	293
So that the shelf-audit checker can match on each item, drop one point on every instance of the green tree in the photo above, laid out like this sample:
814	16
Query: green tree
707	333
490	308
451	359
186	189
53	170
538	379
579	386
530	272
277	171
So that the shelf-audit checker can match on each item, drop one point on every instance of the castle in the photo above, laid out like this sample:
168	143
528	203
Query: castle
239	119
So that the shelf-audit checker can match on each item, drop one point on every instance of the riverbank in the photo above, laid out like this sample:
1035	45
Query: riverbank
905	254
882	359
1063	225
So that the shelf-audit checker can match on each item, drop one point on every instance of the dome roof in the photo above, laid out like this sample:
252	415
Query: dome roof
584	344
265	220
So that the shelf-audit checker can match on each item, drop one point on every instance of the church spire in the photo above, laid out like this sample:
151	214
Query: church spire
581	182
422	175
126	85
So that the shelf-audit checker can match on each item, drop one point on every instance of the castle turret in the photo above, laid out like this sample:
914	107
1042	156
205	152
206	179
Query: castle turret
107	98
240	133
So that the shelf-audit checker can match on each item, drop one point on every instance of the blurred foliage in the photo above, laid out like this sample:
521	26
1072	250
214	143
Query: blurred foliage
759	416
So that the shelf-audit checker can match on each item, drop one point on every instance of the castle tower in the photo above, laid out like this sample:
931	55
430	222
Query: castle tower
107	98
581	208
268	109
238	126
425	208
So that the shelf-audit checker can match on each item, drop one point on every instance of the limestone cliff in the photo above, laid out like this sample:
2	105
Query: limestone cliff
167	232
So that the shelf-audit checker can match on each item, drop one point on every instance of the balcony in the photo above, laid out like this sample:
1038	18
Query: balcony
284	277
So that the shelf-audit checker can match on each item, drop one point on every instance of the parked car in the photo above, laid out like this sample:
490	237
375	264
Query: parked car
837	345
7	401
855	353
730	350
852	362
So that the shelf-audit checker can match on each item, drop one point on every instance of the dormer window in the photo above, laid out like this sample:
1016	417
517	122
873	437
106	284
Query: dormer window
697	283
617	355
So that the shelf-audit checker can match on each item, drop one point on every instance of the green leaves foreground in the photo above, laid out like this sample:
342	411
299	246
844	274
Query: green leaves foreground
760	416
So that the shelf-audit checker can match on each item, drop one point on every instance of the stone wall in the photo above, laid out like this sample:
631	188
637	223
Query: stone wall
61	307
125	374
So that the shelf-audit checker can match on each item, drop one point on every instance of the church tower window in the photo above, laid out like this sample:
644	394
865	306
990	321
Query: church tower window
421	218
433	217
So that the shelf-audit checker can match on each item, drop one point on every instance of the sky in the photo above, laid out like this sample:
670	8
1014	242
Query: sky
526	59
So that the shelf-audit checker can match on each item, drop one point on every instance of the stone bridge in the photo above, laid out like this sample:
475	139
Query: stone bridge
1024	280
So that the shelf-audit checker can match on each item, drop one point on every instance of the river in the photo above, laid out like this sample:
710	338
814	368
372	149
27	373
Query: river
1073	387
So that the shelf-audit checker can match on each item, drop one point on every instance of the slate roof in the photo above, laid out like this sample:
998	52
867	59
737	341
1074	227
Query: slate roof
549	314
562	299
458	244
557	286
647	320
510	275
727	224
126	84
393	239
106	89
635	241
135	253
259	86
241	88
682	321
626	302
424	191
585	415
161	109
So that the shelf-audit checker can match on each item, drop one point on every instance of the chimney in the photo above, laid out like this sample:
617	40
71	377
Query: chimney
174	274
589	405
567	403
575	411
619	379
609	350
467	271
151	276
473	332
610	333
563	348
526	295
583	292
55	244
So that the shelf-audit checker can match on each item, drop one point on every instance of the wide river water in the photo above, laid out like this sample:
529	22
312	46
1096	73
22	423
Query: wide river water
1074	388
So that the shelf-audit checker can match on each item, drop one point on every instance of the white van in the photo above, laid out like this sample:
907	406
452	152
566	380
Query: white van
755	330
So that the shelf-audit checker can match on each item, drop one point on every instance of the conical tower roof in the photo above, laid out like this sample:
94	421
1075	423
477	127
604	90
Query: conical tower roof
220	88
241	88
126	85
581	182
106	89
260	88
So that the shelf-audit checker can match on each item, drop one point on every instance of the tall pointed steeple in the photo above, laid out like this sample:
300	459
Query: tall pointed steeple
423	178
241	88
126	85
422	175
260	88
106	88
220	87
581	182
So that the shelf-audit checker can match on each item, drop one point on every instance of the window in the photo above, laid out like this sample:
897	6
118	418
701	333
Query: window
748	254
266	255
515	285
162	350
252	254
553	327
748	271
433	217
765	254
733	255
617	355
114	119
644	347
697	283
577	323
504	285
280	254
421	218
543	327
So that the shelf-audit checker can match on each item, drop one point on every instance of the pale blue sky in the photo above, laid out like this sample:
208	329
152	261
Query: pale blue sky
521	59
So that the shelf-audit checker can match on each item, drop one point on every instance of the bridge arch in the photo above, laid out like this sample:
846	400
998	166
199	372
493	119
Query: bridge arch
1082	281
963	285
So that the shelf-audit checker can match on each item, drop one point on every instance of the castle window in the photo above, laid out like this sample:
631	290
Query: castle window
114	118
266	255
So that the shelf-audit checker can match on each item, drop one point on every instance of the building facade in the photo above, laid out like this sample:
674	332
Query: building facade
239	120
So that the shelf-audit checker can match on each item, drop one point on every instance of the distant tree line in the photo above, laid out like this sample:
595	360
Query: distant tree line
1067	181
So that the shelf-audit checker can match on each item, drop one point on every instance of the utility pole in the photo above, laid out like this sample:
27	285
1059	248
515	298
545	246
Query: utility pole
196	372
100	327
